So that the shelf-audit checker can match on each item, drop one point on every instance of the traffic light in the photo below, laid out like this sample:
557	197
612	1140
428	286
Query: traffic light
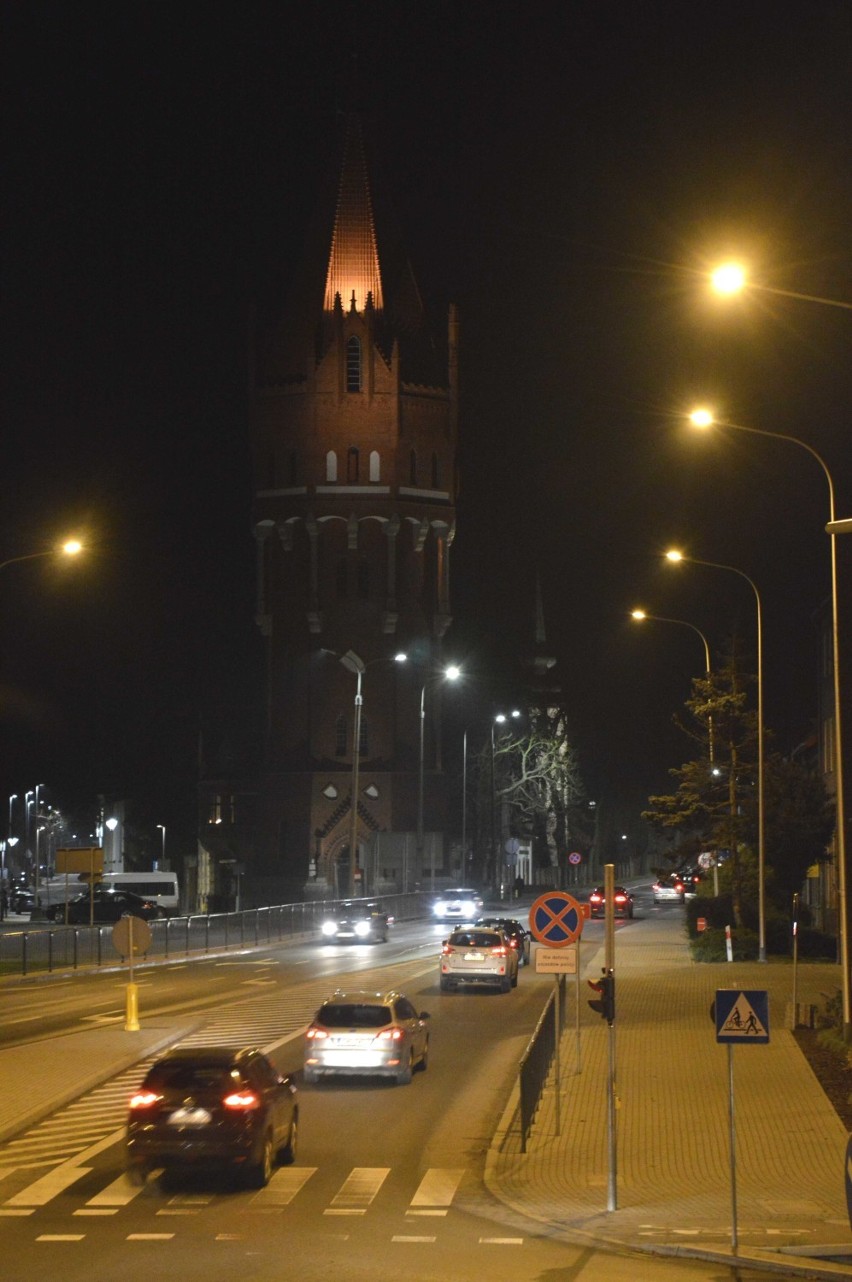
605	1003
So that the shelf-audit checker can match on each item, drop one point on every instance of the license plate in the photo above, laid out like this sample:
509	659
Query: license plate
474	957
189	1117
350	1041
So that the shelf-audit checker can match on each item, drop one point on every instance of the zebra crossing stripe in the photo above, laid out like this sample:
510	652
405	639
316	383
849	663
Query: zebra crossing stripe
437	1188
358	1190
49	1186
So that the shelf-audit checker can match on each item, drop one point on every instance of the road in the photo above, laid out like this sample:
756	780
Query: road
388	1179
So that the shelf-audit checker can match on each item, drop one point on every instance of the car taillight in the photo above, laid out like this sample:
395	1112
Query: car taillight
595	899
621	899
315	1034
391	1035
245	1100
500	951
515	943
447	950
144	1099
679	887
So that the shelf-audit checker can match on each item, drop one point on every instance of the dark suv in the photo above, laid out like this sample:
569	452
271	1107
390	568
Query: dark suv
213	1107
357	921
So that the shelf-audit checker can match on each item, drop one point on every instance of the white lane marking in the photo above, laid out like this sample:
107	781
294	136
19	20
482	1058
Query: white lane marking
150	1237
501	1241
119	1193
400	1237
60	1237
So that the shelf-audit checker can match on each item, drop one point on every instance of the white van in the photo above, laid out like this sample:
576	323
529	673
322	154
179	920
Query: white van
162	887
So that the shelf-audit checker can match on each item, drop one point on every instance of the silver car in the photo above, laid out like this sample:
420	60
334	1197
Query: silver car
366	1034
477	955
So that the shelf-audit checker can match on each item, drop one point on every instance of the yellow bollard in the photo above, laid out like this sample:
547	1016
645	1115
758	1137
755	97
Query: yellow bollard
131	1023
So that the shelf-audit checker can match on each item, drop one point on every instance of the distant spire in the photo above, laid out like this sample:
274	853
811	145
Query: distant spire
353	265
540	661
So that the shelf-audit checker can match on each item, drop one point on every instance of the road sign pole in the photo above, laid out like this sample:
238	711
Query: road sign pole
577	1008
609	959
556	997
733	1130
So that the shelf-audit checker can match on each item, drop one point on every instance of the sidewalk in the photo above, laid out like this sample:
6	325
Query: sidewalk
673	1182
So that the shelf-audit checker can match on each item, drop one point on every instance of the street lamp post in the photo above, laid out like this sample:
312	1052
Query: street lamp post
499	719
452	673
704	418
676	556
640	615
354	663
162	827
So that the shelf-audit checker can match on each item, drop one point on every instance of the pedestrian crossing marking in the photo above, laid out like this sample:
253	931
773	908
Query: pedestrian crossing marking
283	1187
49	1186
742	1020
437	1188
119	1193
358	1190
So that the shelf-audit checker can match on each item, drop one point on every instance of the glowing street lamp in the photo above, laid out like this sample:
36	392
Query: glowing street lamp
71	547
704	418
732	278
162	827
641	615
675	556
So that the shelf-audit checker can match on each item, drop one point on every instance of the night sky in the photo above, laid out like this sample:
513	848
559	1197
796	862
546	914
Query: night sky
564	172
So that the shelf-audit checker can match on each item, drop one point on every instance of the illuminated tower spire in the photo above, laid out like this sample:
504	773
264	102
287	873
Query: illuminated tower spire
353	266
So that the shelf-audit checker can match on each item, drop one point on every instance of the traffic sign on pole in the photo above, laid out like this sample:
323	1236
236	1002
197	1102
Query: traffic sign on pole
742	1016
556	919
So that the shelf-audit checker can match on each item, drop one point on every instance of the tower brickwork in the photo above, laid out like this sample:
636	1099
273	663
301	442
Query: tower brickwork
354	430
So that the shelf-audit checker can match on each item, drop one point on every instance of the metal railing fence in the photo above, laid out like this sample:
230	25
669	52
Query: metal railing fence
46	947
536	1061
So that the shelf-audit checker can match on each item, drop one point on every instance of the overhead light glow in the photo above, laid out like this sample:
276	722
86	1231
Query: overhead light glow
729	278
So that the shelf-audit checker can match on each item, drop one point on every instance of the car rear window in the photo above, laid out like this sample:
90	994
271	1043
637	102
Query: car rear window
474	939
344	1015
192	1077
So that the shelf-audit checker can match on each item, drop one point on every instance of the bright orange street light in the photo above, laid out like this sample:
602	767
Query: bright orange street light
732	278
71	547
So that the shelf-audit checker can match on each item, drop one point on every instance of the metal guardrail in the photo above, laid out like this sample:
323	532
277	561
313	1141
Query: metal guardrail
534	1067
48	947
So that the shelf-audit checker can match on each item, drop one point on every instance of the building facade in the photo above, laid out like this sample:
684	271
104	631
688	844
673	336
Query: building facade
354	414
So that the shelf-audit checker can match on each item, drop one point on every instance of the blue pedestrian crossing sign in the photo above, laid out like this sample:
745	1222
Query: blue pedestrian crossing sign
742	1016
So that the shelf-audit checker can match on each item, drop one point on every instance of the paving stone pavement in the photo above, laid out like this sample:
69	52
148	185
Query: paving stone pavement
673	1187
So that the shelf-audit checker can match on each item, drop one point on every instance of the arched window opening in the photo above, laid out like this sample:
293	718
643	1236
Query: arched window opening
342	578
340	736
352	465
331	466
412	468
353	364
375	466
436	473
363	578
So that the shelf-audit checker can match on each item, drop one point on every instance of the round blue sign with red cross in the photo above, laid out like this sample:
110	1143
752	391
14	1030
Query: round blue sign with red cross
556	919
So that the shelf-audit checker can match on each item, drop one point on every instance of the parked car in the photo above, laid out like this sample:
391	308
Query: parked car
214	1108
366	1034
478	955
668	890
517	935
360	922
104	905
622	901
21	899
460	903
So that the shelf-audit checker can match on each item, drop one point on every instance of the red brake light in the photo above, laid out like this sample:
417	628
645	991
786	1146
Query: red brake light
391	1035
144	1099
241	1099
595	899
447	949
315	1034
500	951
621	899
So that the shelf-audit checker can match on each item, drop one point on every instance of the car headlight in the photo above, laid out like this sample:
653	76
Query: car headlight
362	928
329	927
438	910
468	906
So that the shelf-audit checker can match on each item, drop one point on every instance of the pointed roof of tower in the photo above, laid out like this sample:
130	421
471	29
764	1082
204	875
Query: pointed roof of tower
539	662
353	265
353	248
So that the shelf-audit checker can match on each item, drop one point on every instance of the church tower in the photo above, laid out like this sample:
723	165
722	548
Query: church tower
354	431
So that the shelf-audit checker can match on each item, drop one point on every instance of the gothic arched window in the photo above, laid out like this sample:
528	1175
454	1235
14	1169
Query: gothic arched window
331	466
352	465
353	364
375	466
